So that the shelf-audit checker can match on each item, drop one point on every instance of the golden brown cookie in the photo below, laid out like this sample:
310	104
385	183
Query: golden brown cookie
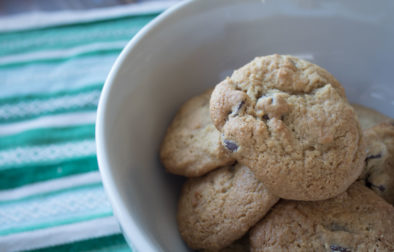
356	220
192	145
220	207
290	122
378	173
241	245
368	117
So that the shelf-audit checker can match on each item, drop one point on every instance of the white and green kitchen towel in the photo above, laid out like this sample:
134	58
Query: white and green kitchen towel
52	69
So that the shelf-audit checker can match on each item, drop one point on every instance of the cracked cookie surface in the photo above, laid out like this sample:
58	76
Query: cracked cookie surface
290	122
378	173
356	220
220	207
192	145
368	117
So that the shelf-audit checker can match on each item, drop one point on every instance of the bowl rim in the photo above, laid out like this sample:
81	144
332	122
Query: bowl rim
133	235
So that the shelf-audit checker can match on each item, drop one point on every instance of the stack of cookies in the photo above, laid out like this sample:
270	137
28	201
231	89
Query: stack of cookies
276	160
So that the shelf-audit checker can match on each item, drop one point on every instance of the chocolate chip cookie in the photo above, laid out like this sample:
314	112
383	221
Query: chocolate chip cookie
192	145
241	245
368	117
220	207
378	173
290	122
356	220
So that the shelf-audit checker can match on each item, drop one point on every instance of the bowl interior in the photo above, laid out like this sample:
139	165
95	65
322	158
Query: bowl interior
192	48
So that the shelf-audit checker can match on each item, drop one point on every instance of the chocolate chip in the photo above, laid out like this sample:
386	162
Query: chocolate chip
266	117
240	105
339	248
370	185
381	188
282	118
230	145
239	108
373	157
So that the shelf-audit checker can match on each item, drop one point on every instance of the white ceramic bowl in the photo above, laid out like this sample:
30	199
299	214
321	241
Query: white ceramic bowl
192	47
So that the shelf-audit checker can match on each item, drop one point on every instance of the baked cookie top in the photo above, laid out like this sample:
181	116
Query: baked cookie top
290	122
378	173
356	220
192	145
368	117
220	207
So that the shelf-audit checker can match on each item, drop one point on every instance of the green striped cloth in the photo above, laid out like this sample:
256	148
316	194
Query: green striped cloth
51	75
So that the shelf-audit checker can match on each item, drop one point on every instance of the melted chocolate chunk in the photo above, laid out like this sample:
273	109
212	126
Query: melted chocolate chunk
373	157
266	117
339	248
381	188
239	108
370	185
240	105
230	145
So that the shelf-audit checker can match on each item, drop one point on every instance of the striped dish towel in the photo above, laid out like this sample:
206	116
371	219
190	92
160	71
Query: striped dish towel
52	69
